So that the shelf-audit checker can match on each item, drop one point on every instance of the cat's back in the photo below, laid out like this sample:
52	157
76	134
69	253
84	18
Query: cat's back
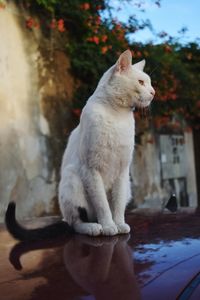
71	152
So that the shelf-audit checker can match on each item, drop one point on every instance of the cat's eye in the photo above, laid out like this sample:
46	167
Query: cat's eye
141	82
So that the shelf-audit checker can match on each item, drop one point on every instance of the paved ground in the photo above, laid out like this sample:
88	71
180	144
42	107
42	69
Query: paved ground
156	261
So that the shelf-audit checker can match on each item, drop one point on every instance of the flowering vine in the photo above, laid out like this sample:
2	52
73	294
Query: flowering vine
94	42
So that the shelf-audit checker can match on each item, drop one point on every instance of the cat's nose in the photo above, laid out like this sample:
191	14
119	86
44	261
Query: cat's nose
153	92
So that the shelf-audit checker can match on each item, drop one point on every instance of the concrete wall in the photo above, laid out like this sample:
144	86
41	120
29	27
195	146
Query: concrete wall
190	167
28	88
148	188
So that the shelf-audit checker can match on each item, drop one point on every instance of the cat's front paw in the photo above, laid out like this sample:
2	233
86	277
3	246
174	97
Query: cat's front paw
123	228
110	229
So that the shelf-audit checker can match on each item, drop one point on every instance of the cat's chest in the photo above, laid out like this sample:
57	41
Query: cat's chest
119	128
115	150
116	141
119	135
107	140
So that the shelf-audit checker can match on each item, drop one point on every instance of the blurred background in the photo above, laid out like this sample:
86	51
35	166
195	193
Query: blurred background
53	53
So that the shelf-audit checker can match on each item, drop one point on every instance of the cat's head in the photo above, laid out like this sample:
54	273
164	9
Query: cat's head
129	84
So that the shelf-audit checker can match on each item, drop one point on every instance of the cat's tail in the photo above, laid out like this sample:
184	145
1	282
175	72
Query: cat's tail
23	234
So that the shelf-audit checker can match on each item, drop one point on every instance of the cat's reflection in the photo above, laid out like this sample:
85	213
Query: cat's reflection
103	267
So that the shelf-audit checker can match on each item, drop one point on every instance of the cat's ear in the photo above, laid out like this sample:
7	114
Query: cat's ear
140	65
124	62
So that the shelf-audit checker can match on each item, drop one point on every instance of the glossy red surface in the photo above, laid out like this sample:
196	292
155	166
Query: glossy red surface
158	260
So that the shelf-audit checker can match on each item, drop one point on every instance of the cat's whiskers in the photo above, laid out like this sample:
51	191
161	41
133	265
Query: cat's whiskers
145	112
149	112
141	109
154	70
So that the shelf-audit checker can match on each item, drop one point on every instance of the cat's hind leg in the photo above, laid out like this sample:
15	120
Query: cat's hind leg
75	208
84	226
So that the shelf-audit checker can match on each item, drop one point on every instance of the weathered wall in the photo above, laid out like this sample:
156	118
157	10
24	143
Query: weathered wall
145	171
190	167
148	189
30	148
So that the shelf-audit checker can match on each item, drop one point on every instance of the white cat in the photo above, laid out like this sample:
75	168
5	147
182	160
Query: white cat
95	168
94	188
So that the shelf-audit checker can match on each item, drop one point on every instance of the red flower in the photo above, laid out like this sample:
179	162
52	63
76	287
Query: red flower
104	49
173	96
85	6
104	38
61	25
94	39
29	22
77	112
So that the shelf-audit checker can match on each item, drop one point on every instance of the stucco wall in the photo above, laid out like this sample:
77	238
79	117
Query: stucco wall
28	128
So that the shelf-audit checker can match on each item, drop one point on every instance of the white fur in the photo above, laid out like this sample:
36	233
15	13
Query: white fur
95	167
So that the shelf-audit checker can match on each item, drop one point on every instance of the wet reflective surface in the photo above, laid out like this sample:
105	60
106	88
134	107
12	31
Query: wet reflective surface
160	259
